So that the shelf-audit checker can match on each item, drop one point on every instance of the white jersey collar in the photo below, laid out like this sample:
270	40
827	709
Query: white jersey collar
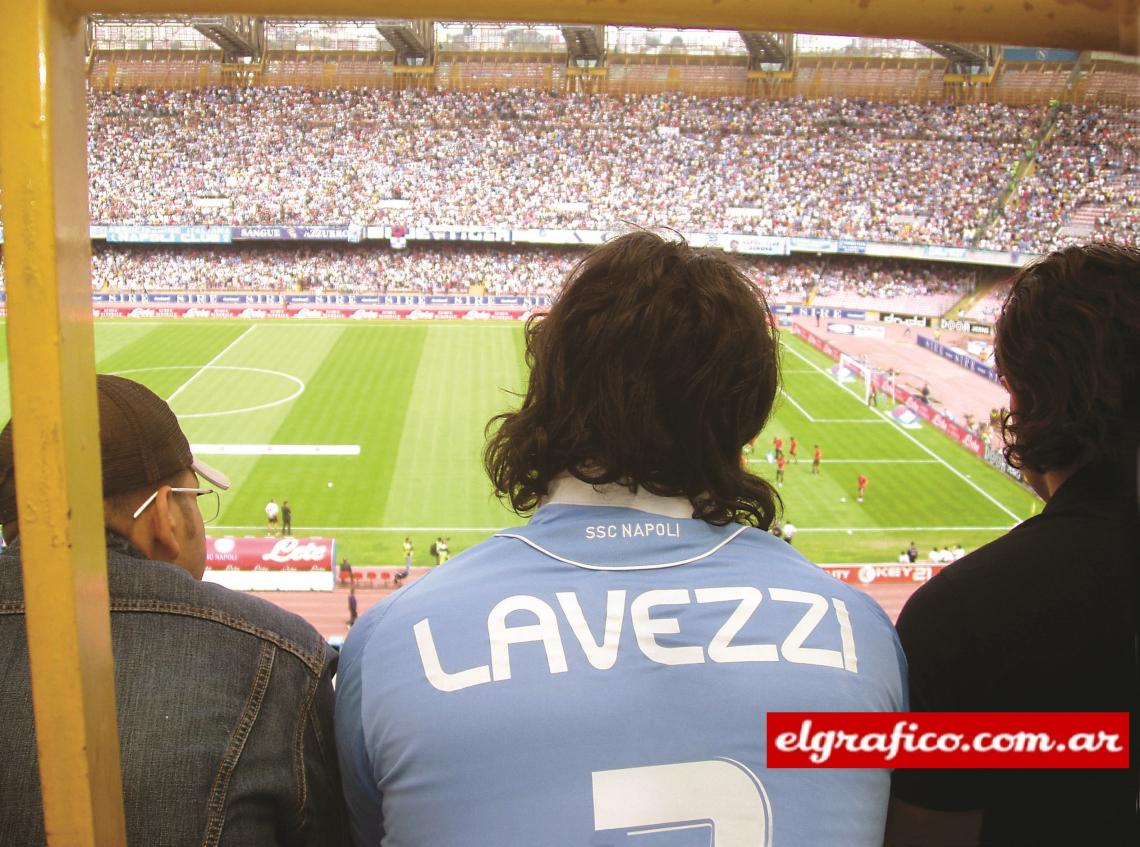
571	491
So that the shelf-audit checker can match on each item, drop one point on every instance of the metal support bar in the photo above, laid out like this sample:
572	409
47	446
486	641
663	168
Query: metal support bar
51	354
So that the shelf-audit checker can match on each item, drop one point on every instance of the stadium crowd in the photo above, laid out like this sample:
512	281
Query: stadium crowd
463	269
526	158
916	287
443	270
1086	182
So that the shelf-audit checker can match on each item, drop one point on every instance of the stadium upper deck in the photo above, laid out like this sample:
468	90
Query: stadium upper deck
939	165
901	172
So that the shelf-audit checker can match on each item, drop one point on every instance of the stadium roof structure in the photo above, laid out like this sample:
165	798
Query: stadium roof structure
242	35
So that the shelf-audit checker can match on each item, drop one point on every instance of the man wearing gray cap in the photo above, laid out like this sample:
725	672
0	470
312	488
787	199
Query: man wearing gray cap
224	701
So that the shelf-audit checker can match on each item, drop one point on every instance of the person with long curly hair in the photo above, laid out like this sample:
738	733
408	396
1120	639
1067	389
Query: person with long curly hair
609	666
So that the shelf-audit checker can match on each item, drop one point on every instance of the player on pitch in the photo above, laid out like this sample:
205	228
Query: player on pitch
609	667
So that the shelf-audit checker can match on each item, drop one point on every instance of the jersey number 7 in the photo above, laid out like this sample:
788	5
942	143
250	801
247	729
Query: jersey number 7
720	795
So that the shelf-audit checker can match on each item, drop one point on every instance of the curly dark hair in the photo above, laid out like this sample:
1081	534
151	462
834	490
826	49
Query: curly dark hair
652	369
1068	347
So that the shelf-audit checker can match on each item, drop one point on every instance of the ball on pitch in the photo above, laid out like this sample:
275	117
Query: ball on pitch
330	485
849	532
841	499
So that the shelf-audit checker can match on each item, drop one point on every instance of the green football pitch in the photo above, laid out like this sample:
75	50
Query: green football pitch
374	432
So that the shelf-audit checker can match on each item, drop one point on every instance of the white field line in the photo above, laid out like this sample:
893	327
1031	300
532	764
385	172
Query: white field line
260	528
204	367
859	462
800	529
916	442
812	419
275	449
792	400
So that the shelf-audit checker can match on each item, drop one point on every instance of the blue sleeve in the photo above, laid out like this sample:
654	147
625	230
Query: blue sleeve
361	793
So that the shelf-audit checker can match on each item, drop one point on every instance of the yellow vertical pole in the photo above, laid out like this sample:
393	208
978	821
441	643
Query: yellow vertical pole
51	356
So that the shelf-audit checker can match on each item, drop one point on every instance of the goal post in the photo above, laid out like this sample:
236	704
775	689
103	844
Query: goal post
852	370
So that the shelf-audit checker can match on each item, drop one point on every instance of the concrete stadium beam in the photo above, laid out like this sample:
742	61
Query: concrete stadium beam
1112	25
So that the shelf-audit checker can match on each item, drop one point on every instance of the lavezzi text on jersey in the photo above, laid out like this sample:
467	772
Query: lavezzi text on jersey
545	630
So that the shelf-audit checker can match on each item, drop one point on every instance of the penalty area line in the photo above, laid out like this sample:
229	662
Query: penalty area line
886	417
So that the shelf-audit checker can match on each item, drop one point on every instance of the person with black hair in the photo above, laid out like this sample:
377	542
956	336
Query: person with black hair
629	641
1044	618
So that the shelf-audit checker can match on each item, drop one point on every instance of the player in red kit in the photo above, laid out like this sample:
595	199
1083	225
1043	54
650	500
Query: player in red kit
816	458
862	487
781	463
793	447
778	443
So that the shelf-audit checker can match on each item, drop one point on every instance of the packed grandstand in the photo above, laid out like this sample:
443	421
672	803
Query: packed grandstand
926	173
995	168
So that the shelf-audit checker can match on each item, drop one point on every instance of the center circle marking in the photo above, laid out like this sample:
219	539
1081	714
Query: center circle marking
295	380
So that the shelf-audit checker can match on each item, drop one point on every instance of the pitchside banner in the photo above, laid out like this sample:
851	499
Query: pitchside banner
260	298
141	234
959	357
888	574
271	564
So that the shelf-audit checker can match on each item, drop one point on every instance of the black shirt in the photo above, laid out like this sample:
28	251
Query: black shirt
1042	620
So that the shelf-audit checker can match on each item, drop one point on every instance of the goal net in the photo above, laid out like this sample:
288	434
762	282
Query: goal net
855	373
861	377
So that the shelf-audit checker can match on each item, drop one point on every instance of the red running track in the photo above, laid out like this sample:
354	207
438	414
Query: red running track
328	611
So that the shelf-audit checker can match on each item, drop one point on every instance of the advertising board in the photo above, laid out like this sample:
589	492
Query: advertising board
271	564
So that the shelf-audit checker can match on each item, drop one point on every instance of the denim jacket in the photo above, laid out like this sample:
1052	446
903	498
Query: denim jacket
225	706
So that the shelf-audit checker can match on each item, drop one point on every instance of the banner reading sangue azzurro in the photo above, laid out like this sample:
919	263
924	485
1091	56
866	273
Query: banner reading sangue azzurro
352	233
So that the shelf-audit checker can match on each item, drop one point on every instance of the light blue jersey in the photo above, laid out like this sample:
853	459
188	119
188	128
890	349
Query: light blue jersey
601	677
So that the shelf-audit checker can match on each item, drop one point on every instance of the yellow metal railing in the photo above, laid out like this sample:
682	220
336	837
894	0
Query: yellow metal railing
50	337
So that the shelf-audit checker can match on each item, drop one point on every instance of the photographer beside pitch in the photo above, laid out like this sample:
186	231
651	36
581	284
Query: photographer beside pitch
224	701
1044	618
609	667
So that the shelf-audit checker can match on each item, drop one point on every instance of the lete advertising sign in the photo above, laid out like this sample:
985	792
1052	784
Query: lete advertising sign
271	564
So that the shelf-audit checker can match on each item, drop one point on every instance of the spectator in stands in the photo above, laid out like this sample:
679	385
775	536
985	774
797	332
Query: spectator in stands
828	167
225	701
915	287
1058	592
648	375
929	173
